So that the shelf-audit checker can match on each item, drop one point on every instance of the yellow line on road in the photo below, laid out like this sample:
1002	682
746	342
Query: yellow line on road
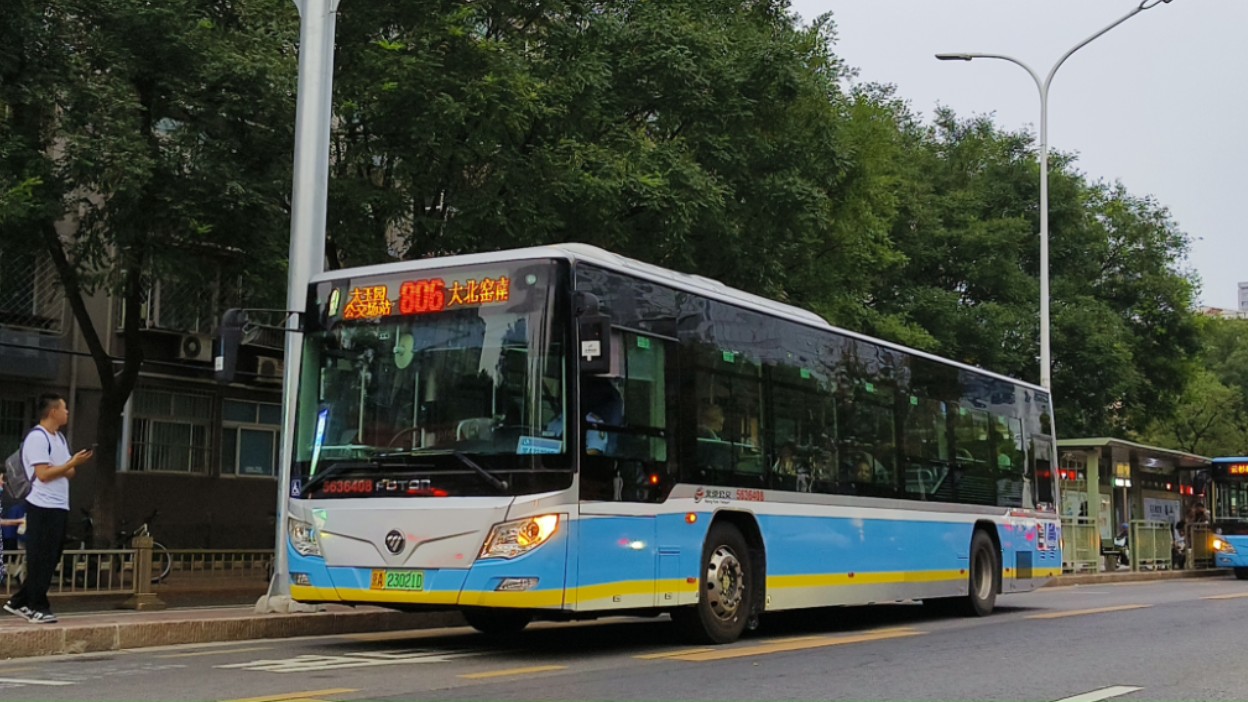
669	654
514	671
799	644
220	652
1081	612
295	696
1226	597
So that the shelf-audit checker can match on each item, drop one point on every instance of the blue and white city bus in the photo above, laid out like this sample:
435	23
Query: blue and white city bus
562	433
1230	514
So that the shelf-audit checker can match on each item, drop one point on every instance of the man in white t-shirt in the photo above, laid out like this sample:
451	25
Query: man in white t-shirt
49	465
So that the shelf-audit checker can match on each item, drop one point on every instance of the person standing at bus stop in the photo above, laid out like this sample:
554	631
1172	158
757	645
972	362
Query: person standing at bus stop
49	465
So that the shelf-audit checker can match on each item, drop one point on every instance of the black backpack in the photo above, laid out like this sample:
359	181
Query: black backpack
16	482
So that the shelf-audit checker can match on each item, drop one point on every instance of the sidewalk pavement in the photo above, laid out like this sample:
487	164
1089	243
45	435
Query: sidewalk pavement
88	632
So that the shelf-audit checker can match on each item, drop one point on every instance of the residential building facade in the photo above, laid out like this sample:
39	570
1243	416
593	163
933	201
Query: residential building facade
203	454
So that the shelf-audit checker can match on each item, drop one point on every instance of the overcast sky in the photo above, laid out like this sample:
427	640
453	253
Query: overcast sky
1160	102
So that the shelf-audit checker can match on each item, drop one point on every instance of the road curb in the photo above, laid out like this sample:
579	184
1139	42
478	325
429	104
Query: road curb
67	637
1128	577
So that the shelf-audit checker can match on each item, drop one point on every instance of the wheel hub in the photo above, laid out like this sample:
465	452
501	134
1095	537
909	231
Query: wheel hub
725	584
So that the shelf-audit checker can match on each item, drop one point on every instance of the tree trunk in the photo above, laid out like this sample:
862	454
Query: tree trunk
116	385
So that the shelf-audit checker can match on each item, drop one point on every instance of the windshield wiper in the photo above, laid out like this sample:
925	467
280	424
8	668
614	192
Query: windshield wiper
487	475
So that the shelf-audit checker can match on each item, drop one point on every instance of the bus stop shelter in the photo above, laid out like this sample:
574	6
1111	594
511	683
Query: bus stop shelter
1105	483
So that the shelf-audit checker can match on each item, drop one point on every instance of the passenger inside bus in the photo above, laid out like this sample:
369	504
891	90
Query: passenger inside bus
604	408
710	421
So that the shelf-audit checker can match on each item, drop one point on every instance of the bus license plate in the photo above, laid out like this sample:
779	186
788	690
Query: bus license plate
413	580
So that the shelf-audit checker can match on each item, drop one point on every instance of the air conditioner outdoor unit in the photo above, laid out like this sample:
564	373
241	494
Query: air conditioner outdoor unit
269	370
195	347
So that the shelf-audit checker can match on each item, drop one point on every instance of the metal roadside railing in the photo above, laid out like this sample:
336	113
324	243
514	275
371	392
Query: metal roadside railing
113	571
1080	545
1151	545
223	563
1200	553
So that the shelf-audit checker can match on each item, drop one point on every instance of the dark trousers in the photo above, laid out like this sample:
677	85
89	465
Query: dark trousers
45	537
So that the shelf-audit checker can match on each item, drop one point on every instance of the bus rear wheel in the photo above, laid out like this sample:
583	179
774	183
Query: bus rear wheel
726	589
497	622
981	597
1241	573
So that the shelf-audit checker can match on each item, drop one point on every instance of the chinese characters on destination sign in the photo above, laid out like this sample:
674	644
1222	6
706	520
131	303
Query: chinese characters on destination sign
425	296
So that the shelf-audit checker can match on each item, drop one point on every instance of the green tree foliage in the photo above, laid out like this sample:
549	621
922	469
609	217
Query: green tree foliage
720	137
141	137
1211	416
1207	419
966	221
700	134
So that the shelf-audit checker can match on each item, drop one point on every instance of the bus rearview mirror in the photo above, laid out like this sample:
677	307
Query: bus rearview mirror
230	337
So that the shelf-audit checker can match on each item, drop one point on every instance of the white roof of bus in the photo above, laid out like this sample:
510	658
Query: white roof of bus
684	281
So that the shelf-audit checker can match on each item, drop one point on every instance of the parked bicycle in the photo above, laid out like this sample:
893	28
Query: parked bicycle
88	569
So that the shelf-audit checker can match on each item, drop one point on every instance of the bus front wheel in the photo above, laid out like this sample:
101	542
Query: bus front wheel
1241	573
726	589
497	622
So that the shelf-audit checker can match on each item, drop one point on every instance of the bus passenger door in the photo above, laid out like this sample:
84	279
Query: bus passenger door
624	472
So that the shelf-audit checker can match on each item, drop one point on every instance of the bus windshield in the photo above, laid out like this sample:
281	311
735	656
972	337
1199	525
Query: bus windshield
1230	490
456	375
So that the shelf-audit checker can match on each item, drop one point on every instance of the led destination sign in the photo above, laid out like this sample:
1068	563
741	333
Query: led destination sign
425	296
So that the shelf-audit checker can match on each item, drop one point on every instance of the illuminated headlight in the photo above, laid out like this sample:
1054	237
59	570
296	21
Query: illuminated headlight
303	537
1223	546
511	539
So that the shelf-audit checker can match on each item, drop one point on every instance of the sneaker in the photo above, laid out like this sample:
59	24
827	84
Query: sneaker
23	612
43	617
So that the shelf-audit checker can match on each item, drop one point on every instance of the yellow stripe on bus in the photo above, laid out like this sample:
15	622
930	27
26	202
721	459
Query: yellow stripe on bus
606	593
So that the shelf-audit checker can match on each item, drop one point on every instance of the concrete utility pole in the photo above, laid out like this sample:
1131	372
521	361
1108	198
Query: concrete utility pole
1046	363
307	239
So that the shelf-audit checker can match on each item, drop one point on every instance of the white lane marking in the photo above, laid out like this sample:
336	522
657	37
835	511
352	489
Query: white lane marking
23	681
1102	694
310	663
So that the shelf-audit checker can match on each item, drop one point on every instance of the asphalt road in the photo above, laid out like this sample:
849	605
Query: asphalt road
1172	640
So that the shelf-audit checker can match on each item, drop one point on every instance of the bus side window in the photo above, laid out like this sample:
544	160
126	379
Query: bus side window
870	449
926	450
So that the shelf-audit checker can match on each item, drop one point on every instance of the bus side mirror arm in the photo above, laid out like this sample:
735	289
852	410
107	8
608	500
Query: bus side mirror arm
236	324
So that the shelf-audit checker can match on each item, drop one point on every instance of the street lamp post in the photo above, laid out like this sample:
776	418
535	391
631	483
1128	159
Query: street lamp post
1045	357
314	96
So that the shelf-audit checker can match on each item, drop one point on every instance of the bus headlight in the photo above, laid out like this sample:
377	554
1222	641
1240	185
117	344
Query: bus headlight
1222	545
516	538
303	537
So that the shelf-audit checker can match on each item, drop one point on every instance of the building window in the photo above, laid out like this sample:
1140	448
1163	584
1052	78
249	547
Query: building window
30	292
170	431
250	438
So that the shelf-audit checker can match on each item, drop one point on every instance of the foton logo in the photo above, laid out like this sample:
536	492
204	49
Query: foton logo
395	541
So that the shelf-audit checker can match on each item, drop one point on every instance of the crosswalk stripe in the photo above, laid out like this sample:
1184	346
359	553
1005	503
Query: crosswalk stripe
1102	694
25	681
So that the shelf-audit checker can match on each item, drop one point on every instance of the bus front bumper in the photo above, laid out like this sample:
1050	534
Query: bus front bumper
534	580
